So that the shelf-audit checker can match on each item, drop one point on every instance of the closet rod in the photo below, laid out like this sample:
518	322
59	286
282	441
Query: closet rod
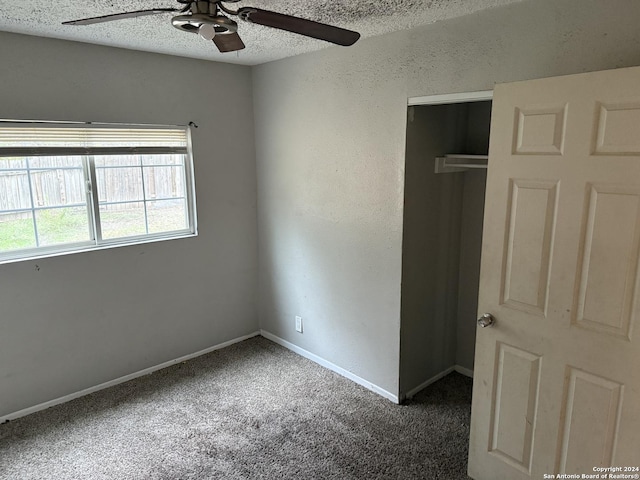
466	165
459	163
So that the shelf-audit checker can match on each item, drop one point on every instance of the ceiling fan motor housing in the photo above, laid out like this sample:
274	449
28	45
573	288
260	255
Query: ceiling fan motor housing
204	13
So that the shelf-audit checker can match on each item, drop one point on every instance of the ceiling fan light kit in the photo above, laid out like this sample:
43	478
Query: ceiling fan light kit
210	19
207	31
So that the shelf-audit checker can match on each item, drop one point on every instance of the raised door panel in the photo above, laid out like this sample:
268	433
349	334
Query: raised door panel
591	409
527	257
618	129
539	130
514	406
608	268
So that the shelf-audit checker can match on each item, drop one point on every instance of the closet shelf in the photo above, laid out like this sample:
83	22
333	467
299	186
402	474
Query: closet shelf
460	162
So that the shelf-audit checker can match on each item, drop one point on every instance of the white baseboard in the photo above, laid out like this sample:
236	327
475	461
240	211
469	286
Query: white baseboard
456	368
331	366
126	378
411	393
463	371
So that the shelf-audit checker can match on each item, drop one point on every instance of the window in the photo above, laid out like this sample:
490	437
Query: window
71	187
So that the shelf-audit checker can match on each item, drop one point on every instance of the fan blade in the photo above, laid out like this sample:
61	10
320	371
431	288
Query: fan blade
228	42
309	28
120	16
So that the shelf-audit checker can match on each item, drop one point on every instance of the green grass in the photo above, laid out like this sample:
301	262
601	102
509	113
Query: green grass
64	225
122	223
15	234
69	225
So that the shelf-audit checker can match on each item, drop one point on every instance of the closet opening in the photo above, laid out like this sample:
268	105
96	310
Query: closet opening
445	179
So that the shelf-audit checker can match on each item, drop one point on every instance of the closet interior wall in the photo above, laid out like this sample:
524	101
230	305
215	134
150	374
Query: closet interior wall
442	236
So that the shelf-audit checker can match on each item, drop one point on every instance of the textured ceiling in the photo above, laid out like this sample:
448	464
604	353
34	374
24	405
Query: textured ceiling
156	34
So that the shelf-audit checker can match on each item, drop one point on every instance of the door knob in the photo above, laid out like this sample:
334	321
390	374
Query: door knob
486	320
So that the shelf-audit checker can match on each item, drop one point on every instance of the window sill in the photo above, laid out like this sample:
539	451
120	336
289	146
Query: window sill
91	247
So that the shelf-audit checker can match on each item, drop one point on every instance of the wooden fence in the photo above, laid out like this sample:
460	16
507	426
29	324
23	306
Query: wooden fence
66	186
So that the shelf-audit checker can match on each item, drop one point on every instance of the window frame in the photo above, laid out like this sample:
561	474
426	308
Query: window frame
89	169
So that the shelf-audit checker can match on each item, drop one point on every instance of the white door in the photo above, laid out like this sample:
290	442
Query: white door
557	376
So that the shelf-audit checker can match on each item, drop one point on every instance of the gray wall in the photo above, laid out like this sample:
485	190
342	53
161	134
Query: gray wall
330	143
79	320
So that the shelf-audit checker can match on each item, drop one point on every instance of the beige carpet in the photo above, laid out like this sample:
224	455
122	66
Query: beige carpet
251	411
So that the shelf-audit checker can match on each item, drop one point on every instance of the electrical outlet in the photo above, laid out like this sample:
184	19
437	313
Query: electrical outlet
298	324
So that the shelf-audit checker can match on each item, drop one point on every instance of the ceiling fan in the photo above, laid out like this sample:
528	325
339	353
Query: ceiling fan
210	19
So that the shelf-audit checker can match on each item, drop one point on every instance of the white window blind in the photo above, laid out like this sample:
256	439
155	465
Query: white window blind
91	137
